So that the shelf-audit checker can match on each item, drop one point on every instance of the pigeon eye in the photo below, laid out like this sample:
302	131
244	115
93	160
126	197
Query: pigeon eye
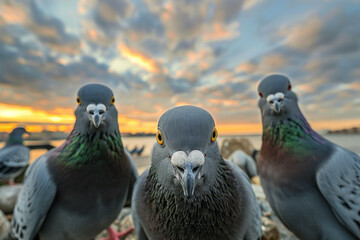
214	135
159	137
289	87
112	100
260	94
78	100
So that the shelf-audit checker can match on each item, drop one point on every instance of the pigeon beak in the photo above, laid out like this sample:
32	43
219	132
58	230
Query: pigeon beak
97	113
189	180
188	169
96	119
276	106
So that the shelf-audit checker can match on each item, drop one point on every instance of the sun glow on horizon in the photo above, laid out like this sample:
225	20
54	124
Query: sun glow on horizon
62	120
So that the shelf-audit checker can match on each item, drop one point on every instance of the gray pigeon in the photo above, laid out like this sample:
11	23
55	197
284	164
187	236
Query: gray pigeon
190	191
312	184
78	189
14	157
245	162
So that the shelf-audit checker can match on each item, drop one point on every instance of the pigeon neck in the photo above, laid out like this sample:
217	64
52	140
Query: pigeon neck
214	207
292	134
14	140
98	148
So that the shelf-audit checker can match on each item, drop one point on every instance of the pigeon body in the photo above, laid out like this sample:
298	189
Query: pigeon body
14	157
312	184
244	161
190	191
78	189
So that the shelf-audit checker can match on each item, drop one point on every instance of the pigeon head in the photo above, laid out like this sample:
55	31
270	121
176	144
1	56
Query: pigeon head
96	110
186	139
16	134
276	97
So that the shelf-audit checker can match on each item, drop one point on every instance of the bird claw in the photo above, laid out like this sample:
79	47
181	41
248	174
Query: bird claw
113	235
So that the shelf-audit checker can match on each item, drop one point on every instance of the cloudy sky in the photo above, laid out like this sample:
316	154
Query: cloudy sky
159	54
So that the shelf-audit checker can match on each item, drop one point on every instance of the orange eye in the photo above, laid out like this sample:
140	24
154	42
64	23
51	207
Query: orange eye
289	87
159	137
112	100
214	134
78	100
260	94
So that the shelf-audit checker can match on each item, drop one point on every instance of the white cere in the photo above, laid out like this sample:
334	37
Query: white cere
90	107
101	107
270	98
279	95
196	157
178	158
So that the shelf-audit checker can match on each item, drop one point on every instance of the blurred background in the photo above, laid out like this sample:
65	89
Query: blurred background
159	54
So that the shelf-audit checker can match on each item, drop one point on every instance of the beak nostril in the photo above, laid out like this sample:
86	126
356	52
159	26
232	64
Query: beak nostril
180	169
101	112
169	156
271	101
280	99
91	112
195	169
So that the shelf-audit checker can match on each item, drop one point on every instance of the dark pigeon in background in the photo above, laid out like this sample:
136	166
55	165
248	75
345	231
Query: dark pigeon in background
244	161
75	191
14	157
190	191
312	184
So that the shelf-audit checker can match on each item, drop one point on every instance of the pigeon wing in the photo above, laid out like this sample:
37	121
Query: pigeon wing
12	159
253	230
34	200
339	182
138	206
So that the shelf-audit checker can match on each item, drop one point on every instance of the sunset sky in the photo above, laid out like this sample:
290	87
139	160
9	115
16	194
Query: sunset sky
159	54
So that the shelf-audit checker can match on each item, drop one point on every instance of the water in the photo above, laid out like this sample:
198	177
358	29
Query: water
351	142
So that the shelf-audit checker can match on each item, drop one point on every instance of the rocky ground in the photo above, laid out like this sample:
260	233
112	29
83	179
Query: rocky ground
272	227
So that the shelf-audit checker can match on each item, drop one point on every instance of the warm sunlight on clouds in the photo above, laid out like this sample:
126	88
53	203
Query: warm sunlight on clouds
11	113
139	59
12	13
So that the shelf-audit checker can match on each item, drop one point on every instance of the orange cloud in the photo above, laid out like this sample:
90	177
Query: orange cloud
220	31
224	102
247	67
303	36
139	58
13	13
273	61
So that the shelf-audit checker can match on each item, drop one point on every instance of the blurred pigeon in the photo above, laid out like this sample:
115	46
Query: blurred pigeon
312	184
14	157
190	191
78	189
244	161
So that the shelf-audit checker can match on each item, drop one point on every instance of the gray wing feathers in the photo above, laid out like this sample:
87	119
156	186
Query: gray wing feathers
134	175
339	182
253	230
34	201
16	156
13	159
137	204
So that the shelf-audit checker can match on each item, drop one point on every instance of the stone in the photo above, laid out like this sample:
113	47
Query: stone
8	197
269	230
122	223
5	226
